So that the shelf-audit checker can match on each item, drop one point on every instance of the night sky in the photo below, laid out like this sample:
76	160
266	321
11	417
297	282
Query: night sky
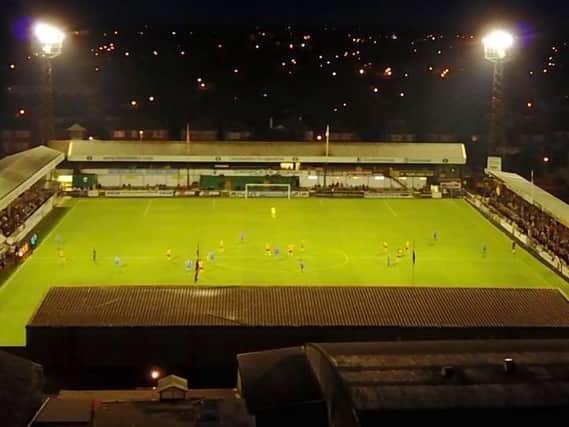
400	14
125	51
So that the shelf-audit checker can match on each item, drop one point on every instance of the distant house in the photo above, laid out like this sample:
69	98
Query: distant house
173	387
140	134
237	135
401	137
343	136
14	140
200	135
76	131
441	136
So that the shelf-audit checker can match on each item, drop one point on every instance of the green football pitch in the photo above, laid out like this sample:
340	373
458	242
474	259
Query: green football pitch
343	245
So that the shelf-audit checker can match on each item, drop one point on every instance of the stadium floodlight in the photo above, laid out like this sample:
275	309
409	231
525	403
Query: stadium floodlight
50	39
498	45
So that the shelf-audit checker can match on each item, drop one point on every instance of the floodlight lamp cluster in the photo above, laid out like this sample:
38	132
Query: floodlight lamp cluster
498	45
49	38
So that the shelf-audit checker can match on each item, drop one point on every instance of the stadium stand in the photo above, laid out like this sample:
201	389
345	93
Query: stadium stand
534	195
23	190
228	166
16	214
340	152
535	213
19	172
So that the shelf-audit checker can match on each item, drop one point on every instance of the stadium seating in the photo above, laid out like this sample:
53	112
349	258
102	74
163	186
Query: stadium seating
21	209
529	219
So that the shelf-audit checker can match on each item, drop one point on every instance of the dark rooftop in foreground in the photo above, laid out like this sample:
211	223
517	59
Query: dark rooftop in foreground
456	374
73	409
377	383
21	383
302	306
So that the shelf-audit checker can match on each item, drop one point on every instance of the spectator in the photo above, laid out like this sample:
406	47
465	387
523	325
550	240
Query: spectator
540	227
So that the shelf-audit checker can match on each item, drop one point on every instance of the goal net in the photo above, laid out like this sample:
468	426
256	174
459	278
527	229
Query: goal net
268	190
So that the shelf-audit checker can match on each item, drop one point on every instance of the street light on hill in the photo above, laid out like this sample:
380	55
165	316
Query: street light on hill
49	39
498	50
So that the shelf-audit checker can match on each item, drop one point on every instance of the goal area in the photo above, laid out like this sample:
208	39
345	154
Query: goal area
268	190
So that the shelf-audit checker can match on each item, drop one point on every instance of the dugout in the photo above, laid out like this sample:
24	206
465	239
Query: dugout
199	331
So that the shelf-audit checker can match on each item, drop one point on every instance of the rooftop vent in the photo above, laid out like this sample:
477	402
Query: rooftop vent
509	365
447	371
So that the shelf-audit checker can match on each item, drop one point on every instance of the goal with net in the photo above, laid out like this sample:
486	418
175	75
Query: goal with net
268	190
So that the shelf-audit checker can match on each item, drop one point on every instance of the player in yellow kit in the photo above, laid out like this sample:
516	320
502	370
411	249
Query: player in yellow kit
268	251
290	249
61	255
221	246
273	213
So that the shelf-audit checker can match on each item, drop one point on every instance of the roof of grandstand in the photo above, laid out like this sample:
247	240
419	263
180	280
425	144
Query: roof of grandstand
225	151
408	376
535	195
418	307
20	171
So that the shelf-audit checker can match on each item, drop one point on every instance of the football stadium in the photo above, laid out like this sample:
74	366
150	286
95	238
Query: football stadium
260	214
184	241
123	262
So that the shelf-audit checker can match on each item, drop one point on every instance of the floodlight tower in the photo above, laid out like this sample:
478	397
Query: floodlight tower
49	40
498	50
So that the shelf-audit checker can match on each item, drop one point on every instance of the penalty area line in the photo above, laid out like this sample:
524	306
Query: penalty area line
390	208
148	205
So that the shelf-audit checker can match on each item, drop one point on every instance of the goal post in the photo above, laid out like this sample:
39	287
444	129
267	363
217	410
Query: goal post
268	190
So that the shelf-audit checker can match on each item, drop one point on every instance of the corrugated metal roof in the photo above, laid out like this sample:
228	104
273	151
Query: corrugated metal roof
408	375
302	306
427	397
418	153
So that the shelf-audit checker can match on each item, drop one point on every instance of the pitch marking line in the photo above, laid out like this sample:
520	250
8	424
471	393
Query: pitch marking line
390	208
148	205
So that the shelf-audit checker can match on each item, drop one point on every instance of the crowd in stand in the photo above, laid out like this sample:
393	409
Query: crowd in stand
22	208
540	227
342	187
